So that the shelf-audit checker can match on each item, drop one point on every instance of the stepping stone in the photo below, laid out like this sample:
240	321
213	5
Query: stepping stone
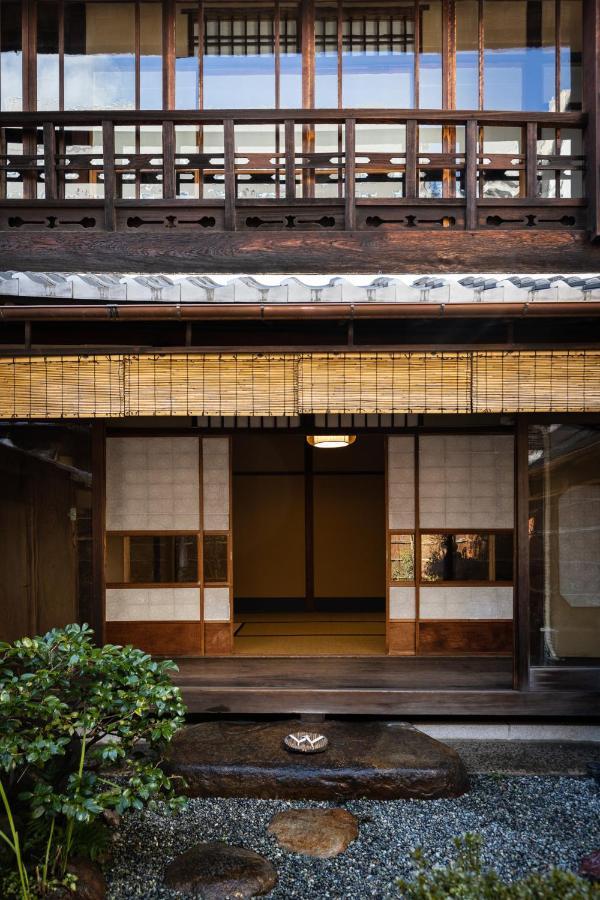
216	871
314	832
379	760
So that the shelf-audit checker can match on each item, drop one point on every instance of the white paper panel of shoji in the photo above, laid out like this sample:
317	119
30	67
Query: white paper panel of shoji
216	604
215	476
152	484
466	481
446	602
401	481
153	604
402	603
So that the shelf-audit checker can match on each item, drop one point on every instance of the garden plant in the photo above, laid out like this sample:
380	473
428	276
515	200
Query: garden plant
82	731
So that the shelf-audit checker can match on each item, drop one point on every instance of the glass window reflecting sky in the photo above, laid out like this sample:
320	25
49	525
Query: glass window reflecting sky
510	54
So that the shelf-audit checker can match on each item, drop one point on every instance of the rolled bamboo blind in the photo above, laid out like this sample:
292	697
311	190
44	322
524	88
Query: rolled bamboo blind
287	384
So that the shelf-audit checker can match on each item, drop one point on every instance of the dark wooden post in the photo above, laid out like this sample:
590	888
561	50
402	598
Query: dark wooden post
591	104
98	528
110	182
168	137
309	528
410	174
230	187
50	161
531	160
471	175
290	161
168	58
521	556
350	175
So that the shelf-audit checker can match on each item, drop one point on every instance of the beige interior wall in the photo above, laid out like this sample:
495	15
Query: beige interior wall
349	535
268	536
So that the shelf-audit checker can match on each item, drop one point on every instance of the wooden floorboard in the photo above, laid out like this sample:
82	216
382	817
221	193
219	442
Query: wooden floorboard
383	686
348	673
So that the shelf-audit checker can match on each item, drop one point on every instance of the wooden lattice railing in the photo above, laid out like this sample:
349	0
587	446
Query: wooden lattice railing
291	169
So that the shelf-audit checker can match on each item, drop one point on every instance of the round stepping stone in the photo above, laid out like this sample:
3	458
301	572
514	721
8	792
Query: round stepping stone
376	760
314	832
217	871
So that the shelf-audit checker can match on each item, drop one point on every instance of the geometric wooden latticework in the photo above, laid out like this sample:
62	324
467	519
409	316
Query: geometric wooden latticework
288	384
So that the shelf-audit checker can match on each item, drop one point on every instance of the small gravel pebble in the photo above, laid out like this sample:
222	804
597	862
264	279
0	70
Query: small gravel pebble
528	824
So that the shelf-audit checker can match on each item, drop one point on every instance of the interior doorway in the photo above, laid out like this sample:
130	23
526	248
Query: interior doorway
308	547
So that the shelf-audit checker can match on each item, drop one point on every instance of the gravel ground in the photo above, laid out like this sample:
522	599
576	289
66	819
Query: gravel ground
527	757
528	823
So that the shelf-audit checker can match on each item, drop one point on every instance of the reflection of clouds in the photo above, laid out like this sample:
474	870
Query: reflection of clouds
11	81
100	81
47	81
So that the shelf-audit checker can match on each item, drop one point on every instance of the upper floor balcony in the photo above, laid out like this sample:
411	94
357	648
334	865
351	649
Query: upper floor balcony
377	117
321	170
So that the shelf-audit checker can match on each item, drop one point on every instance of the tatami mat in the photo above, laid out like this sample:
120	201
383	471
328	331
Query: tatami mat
262	629
310	634
310	645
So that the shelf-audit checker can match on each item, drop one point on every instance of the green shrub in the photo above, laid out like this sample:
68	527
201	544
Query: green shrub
466	878
72	719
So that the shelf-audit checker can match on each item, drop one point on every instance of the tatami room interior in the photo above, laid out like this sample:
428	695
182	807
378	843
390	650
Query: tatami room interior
308	546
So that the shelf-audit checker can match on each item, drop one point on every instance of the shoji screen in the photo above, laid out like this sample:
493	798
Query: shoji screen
466	522
152	509
168	566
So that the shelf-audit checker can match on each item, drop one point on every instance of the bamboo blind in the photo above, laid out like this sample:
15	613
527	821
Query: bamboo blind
287	384
384	382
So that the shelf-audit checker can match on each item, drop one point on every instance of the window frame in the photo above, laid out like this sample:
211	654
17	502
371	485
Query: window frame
490	582
125	583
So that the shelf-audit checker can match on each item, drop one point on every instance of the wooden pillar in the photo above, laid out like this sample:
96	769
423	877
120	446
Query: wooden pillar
521	559
98	527
591	105
169	51
309	528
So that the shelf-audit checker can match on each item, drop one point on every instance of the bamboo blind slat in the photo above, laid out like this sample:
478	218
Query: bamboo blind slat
287	384
536	381
384	382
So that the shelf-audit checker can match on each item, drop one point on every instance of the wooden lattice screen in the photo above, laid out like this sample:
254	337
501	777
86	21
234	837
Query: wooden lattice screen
284	384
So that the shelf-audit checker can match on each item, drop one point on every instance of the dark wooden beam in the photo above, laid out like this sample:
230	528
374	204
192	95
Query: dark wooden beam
308	115
400	250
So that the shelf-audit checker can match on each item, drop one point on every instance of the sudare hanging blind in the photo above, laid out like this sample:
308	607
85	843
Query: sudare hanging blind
285	384
384	382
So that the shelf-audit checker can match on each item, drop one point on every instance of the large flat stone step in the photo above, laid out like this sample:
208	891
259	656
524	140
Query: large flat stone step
379	760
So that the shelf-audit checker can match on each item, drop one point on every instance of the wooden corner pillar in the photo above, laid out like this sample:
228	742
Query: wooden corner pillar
591	105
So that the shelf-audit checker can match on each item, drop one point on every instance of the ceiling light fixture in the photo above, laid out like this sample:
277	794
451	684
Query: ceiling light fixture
330	441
